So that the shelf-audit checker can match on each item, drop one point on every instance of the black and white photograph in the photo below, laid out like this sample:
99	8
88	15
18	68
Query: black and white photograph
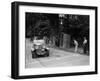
51	40
56	40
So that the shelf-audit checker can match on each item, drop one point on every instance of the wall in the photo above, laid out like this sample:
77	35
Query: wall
5	40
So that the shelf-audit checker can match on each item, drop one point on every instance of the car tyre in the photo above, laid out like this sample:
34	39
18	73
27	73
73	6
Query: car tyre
34	55
47	53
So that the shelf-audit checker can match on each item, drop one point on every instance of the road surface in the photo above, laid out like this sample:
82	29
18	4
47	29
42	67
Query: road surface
57	58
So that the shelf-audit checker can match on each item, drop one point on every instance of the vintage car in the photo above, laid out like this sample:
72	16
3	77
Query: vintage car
39	48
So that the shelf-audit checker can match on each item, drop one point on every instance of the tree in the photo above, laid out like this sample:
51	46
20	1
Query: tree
40	22
76	24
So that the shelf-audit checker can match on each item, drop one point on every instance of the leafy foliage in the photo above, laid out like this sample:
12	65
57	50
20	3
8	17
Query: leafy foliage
49	25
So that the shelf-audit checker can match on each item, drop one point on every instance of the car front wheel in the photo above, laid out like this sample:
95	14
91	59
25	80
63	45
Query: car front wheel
34	55
47	53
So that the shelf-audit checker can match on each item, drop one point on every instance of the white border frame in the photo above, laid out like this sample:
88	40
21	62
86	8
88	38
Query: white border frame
38	71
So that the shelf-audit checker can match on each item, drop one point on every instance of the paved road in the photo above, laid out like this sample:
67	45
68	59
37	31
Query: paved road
56	58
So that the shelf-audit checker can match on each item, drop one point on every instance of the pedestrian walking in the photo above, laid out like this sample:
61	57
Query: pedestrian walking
85	45
76	45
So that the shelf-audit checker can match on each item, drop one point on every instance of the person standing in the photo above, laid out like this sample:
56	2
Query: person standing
76	45
85	45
